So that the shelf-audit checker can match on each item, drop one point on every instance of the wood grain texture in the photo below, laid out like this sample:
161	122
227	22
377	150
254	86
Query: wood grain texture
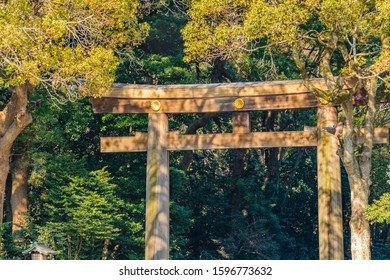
178	142
240	139
211	90
381	135
330	222
204	105
241	122
157	190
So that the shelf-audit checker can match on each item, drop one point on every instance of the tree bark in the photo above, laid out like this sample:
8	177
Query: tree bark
218	71
359	172
69	242
19	172
360	231
360	228
203	121
272	161
105	249
13	119
385	233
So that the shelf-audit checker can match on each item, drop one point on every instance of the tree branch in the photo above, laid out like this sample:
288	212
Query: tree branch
14	118
365	156
8	114
322	95
192	130
347	141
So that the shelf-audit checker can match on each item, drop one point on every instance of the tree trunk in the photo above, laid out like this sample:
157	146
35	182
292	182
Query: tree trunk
201	122
4	168
385	233
359	172
218	71
19	171
105	249
272	161
360	229
69	242
13	119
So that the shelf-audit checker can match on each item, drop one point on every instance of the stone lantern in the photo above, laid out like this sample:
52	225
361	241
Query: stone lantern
38	251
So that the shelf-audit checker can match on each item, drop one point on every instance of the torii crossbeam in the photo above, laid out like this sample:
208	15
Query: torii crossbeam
239	98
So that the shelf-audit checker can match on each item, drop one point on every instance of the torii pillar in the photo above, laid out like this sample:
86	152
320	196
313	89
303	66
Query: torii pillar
330	220
157	189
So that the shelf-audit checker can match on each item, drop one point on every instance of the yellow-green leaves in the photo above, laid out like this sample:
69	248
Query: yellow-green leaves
382	63
99	62
383	17
223	28
342	15
277	22
66	46
215	29
54	28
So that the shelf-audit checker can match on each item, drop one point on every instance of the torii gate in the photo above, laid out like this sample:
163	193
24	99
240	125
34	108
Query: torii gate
239	98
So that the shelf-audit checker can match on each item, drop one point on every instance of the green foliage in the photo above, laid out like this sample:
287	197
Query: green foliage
8	249
280	21
180	214
166	69
159	60
161	42
85	212
379	210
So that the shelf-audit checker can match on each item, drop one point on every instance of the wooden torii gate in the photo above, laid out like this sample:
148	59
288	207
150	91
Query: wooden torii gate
239	98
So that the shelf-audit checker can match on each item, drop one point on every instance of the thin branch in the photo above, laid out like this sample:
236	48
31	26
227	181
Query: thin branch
79	21
264	46
368	53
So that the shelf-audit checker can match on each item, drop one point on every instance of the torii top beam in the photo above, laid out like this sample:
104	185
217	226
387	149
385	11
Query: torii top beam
227	97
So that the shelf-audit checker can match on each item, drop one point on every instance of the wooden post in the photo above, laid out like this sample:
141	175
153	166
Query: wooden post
330	224
241	122
157	189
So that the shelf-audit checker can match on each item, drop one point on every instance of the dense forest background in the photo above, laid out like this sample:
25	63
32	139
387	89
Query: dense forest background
225	204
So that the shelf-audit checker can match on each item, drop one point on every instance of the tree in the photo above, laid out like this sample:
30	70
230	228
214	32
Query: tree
69	48
335	40
85	212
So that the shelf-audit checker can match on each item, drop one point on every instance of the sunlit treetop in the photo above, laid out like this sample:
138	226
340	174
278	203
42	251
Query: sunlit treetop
69	47
215	29
358	29
279	22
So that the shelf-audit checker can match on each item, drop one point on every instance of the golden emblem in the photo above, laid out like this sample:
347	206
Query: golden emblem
155	105
239	103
